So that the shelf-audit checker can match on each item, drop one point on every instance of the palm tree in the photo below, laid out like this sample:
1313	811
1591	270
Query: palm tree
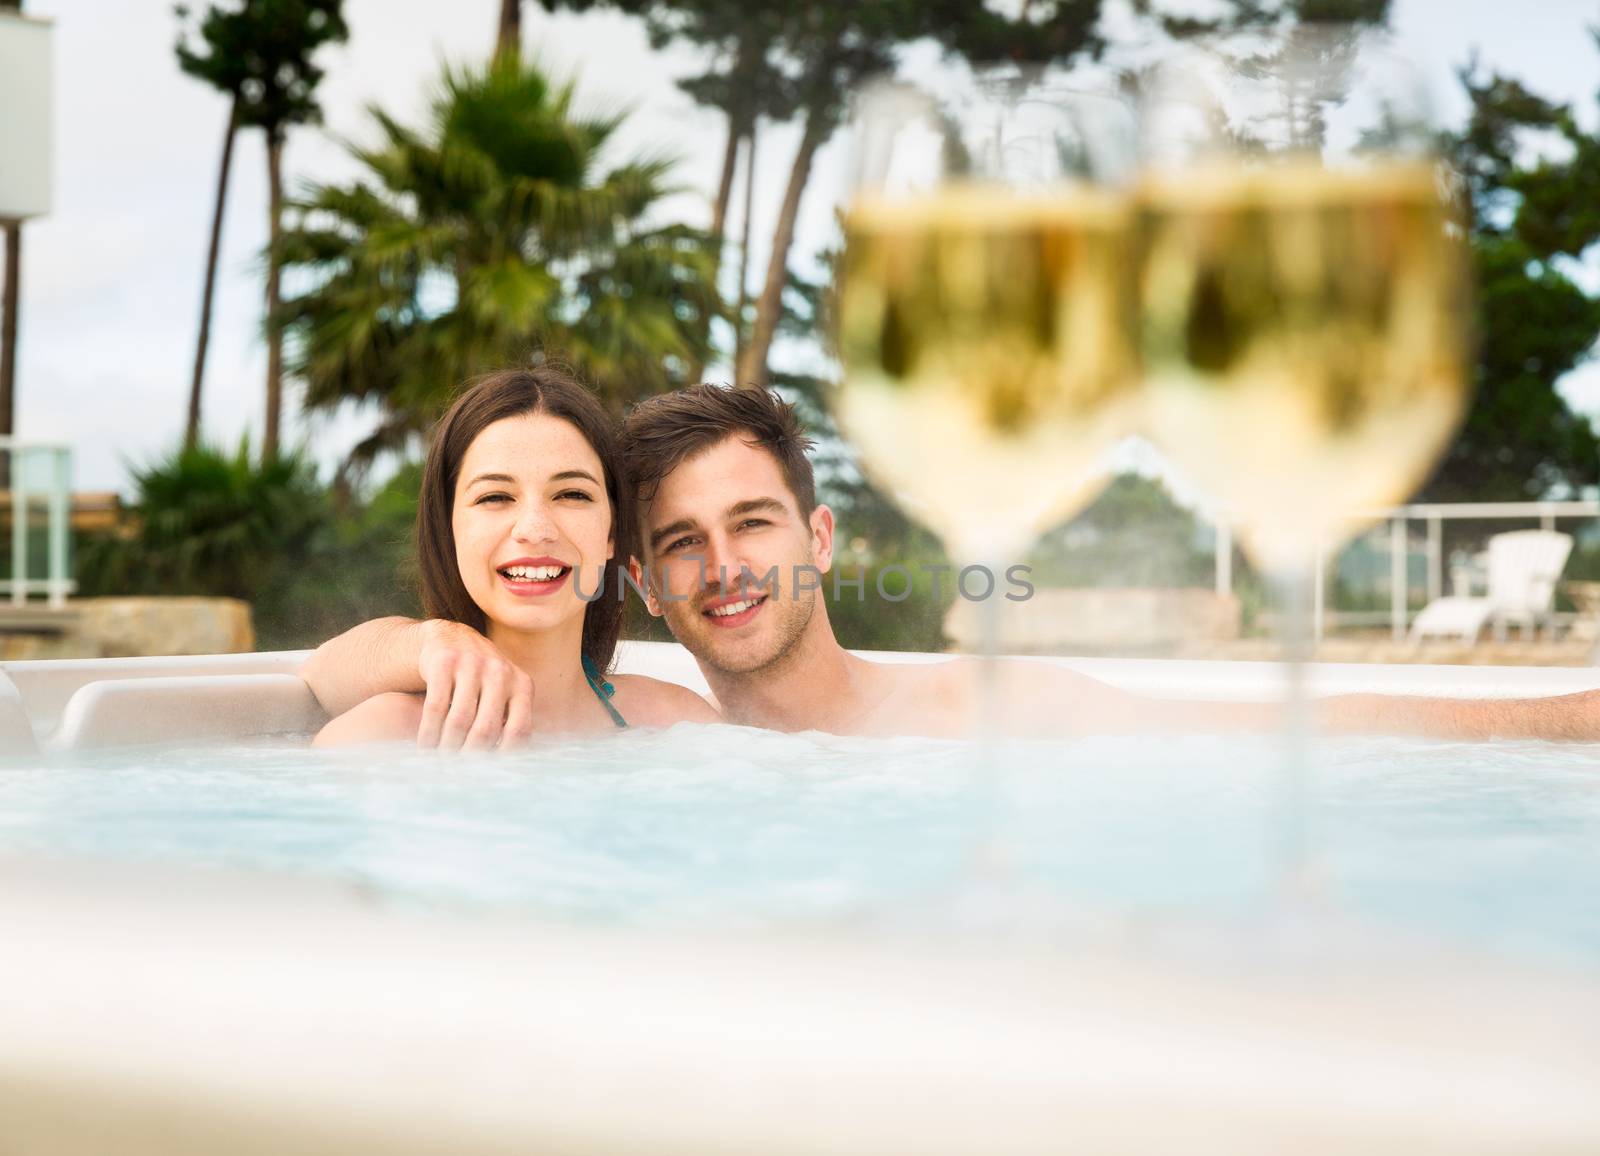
216	56
508	33
260	53
490	235
286	37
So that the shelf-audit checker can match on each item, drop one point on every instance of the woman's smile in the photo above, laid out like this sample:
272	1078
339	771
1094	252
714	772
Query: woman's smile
534	577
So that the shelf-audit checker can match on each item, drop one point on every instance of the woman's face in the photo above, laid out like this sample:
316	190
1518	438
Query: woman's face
531	520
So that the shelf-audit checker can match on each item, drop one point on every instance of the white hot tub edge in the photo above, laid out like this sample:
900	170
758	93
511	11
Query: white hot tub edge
73	703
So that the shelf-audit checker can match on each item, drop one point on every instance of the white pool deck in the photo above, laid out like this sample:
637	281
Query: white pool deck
147	1011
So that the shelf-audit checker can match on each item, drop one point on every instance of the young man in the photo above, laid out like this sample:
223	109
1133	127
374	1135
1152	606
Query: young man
735	544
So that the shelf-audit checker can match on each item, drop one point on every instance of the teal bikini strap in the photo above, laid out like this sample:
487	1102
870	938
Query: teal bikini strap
602	691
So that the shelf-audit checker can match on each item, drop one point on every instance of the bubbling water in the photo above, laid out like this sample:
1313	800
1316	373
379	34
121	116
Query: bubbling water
1495	848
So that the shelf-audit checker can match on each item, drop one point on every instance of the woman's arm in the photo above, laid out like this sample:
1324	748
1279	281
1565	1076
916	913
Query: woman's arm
383	718
364	661
476	696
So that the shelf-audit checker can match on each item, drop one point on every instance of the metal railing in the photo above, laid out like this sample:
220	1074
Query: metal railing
39	474
1433	515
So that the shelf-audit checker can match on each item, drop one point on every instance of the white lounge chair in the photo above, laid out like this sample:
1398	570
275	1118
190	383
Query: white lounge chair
1524	567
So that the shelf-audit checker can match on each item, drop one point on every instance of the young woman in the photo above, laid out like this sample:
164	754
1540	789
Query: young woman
524	525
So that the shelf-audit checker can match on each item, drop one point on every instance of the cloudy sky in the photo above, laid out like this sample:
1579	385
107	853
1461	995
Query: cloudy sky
112	277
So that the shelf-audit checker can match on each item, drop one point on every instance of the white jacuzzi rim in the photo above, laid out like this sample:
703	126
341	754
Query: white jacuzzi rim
68	703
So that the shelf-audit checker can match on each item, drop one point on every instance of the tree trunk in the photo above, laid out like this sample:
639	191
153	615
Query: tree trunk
269	436
10	303
509	38
744	245
749	60
769	306
719	218
191	433
11	297
730	162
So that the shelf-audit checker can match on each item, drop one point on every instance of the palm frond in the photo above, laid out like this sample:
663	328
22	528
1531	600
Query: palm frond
488	234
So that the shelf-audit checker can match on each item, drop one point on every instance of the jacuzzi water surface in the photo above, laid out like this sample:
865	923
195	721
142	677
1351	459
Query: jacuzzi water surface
1494	848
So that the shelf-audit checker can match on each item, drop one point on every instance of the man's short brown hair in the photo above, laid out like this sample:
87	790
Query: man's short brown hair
663	432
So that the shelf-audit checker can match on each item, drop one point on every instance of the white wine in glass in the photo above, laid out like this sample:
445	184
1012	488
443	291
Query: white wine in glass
1305	337
985	315
985	337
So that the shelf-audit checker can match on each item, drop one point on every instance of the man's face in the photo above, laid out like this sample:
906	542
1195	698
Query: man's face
718	525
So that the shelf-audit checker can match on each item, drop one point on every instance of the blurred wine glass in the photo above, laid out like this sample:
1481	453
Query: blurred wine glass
985	310
985	328
1304	300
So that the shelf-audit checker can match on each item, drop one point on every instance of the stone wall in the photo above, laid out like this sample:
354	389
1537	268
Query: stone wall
1101	620
138	627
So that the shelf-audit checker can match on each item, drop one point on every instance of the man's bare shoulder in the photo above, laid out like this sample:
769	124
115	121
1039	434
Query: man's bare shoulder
961	673
654	702
1034	698
919	698
948	682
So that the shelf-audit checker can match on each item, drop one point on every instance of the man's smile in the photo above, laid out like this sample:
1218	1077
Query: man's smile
734	610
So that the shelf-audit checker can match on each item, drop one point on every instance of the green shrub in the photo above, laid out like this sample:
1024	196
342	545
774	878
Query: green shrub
311	564
868	620
206	522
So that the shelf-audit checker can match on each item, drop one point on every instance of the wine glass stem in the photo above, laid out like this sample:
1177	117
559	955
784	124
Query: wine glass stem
990	857
1292	821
